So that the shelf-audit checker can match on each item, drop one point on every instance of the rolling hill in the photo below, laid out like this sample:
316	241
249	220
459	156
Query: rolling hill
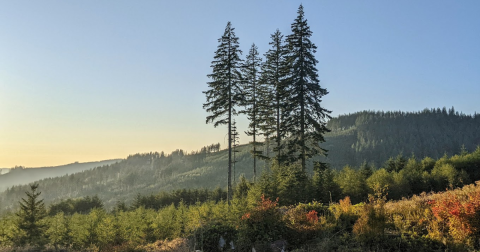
21	175
374	137
364	136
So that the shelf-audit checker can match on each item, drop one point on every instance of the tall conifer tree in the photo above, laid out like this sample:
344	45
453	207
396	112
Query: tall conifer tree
266	117
225	89
273	95
251	73
305	119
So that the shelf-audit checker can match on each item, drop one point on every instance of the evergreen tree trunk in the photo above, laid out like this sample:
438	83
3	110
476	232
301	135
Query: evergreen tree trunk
229	179
254	135
302	106
225	92
254	161
302	122
234	148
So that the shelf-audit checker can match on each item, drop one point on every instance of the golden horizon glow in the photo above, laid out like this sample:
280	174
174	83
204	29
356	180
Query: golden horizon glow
45	148
58	157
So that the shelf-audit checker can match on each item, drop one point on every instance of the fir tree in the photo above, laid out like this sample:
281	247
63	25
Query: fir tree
305	119
273	93
251	72
32	212
325	189
292	184
225	92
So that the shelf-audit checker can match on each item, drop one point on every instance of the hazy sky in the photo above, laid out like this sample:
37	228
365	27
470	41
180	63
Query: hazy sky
93	80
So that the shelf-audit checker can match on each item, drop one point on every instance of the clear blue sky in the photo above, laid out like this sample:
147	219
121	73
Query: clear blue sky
92	80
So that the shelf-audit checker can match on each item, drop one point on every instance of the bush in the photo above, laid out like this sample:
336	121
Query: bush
263	223
456	219
345	214
370	227
305	223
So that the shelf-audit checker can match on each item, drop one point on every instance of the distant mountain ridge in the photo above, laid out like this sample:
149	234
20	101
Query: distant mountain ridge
375	136
21	175
368	136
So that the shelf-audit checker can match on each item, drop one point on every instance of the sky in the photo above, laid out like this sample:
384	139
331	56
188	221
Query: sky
95	80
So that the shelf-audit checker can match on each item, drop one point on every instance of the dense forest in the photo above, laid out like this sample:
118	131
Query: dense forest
377	136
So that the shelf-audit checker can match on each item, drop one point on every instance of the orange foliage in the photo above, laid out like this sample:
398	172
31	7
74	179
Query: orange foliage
345	204
263	206
262	223
246	216
312	217
459	216
267	204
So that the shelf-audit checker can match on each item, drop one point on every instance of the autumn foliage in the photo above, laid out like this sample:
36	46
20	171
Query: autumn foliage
457	217
451	218
263	222
312	217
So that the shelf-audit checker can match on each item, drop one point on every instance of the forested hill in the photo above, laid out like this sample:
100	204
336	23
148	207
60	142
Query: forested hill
374	137
355	138
140	174
21	175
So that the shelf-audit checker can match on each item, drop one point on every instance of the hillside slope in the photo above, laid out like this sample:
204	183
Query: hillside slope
355	138
376	136
139	173
21	175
